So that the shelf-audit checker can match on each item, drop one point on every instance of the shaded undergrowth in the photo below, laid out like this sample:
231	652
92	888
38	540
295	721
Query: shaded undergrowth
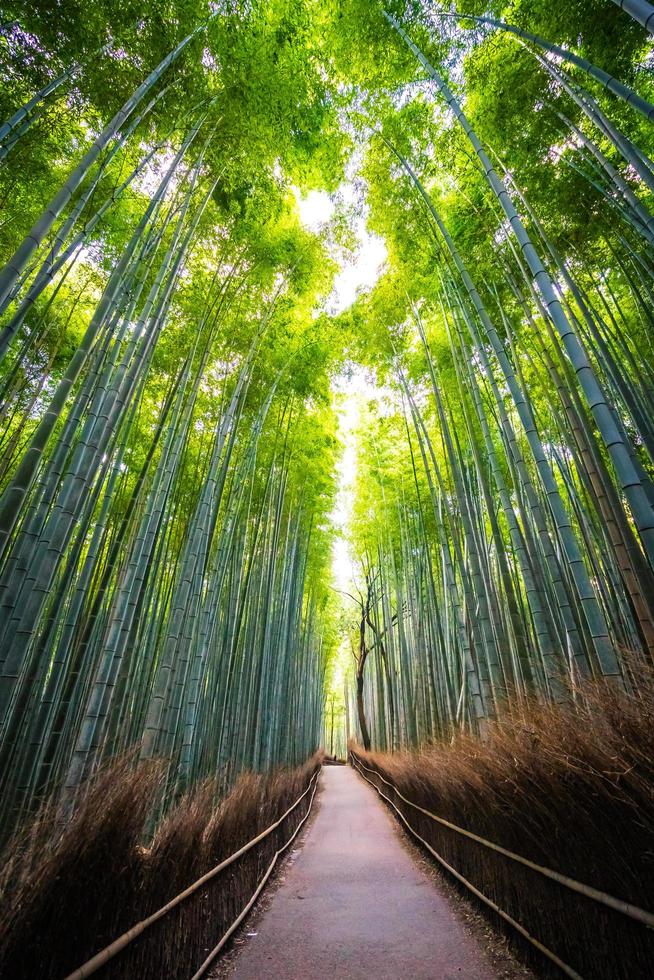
68	892
570	788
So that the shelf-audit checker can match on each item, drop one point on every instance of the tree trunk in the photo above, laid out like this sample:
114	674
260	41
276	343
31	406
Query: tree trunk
363	724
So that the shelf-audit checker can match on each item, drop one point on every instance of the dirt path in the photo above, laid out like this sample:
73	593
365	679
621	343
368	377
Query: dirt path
356	906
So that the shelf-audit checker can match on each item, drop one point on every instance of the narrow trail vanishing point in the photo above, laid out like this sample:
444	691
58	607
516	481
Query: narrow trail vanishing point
355	906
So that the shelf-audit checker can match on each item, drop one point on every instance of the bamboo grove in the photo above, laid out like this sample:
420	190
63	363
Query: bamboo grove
504	498
162	508
169	437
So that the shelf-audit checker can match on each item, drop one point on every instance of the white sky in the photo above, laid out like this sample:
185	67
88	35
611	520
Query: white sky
354	388
350	390
348	393
315	209
362	273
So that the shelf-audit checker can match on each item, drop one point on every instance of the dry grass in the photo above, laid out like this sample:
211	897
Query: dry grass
572	789
67	893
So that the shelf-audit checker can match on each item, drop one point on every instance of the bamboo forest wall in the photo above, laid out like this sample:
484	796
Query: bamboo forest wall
167	438
170	433
511	457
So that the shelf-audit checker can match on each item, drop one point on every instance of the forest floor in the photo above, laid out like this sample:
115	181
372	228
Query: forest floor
357	901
